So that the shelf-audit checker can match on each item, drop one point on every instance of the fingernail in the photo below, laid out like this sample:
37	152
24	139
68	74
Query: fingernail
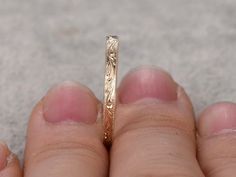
147	83
3	155
70	101
219	119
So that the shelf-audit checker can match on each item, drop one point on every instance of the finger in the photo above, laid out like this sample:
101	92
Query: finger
217	140
63	136
154	133
9	164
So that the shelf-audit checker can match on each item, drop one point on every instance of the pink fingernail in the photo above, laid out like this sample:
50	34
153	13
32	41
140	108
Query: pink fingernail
147	82
70	102
218	119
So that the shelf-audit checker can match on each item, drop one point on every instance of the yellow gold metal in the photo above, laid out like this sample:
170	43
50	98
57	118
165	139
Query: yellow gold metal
109	104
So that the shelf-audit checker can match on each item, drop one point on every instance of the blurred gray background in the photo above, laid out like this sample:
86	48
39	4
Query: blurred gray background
43	42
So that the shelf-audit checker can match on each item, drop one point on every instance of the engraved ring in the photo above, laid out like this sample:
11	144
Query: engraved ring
109	104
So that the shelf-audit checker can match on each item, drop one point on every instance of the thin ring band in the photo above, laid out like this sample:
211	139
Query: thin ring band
109	104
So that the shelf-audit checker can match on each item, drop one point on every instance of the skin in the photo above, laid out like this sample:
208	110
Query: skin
155	133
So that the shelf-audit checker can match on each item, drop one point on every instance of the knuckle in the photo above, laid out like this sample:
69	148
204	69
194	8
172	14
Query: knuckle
75	149
175	174
156	117
170	170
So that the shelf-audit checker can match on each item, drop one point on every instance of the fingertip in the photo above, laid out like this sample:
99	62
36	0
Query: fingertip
145	84
63	131
9	163
4	152
151	119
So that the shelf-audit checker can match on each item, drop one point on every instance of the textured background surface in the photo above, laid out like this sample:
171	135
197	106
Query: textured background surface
43	42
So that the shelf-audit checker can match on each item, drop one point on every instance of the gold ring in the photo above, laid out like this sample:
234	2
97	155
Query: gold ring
109	104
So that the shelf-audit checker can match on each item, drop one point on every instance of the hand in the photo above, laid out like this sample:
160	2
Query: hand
154	134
